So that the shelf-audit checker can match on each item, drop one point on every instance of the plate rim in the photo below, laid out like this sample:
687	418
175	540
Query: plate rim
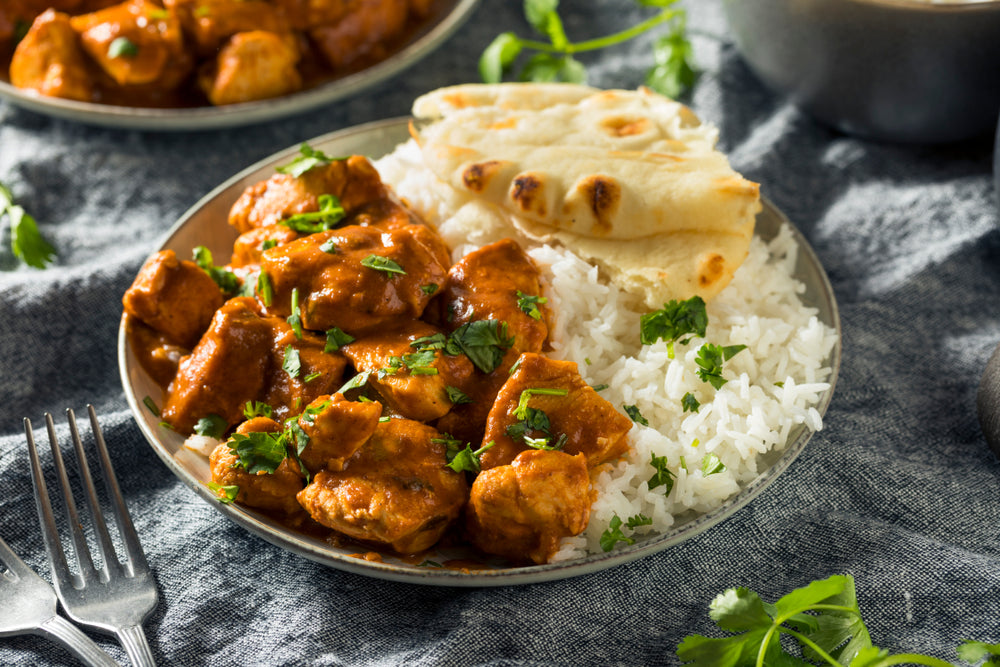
237	115
295	543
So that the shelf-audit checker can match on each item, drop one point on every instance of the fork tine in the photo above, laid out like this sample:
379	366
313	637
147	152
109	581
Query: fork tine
83	558
136	557
104	545
12	561
50	534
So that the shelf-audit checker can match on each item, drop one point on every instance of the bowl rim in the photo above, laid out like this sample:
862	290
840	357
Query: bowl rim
931	6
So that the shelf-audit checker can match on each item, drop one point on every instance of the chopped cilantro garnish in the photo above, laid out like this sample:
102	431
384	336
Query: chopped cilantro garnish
429	288
311	376
295	319
529	304
711	465
437	341
384	264
336	339
328	216
600	387
291	364
226	280
457	396
521	411
689	403
329	246
359	380
259	451
211	425
614	533
307	159
482	341
225	494
267	244
466	459
674	320
151	406
265	290
256	409
710	359
633	412
26	242
663	476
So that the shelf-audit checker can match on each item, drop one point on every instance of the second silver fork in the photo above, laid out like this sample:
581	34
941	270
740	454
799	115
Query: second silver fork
117	597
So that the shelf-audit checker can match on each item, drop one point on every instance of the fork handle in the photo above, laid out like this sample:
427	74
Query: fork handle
134	641
81	645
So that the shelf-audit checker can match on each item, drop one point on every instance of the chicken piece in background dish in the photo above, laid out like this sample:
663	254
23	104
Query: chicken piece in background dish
210	23
247	356
248	247
413	380
254	65
304	14
136	43
396	490
496	282
522	510
337	428
174	297
546	398
273	491
357	279
362	33
49	60
354	182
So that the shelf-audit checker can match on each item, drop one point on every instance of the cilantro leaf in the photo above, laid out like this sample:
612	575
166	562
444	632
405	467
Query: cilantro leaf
307	159
429	288
211	425
265	289
710	359
663	476
259	451
295	319
482	341
226	280
633	412
336	339
122	47
498	57
328	216
359	380
151	405
466	459
689	403
457	396
225	494
711	465
521	411
529	304
672	72
436	341
26	242
383	264
291	364
974	651
256	409
614	533
674	320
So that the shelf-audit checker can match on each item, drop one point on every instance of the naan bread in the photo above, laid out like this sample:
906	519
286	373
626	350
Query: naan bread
628	179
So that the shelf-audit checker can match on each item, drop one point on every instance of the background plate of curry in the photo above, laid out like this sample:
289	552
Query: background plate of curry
208	64
205	224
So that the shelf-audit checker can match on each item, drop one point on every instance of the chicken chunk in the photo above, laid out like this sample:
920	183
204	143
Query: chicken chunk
254	65
271	491
49	60
356	278
248	247
557	406
413	381
246	356
362	33
395	491
336	428
353	181
304	14
522	510
174	297
497	282
210	23
135	43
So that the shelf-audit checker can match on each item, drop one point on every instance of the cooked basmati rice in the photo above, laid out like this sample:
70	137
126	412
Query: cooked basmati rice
773	386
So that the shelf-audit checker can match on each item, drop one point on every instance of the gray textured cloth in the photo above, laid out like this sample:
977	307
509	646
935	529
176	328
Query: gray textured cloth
899	489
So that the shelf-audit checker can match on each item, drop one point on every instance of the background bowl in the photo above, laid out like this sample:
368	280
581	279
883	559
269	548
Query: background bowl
898	70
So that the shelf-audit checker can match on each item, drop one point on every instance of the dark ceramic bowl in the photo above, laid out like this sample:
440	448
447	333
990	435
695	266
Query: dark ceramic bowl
898	70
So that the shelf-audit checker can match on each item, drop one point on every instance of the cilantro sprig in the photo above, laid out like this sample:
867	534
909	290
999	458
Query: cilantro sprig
823	618
614	533
308	158
329	215
226	280
710	359
554	60
674	321
26	242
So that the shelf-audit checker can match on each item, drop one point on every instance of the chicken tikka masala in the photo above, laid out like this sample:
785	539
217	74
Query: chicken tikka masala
361	382
183	53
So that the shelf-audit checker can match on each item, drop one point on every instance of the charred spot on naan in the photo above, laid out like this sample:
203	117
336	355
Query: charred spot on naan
603	196
528	192
712	269
624	126
477	176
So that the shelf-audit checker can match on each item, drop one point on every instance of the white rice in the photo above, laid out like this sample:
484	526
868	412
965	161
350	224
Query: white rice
773	386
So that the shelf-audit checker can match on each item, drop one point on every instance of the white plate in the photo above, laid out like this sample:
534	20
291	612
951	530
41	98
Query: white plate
455	12
206	224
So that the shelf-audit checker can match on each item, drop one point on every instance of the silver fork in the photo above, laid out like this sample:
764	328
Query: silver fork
117	597
28	606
